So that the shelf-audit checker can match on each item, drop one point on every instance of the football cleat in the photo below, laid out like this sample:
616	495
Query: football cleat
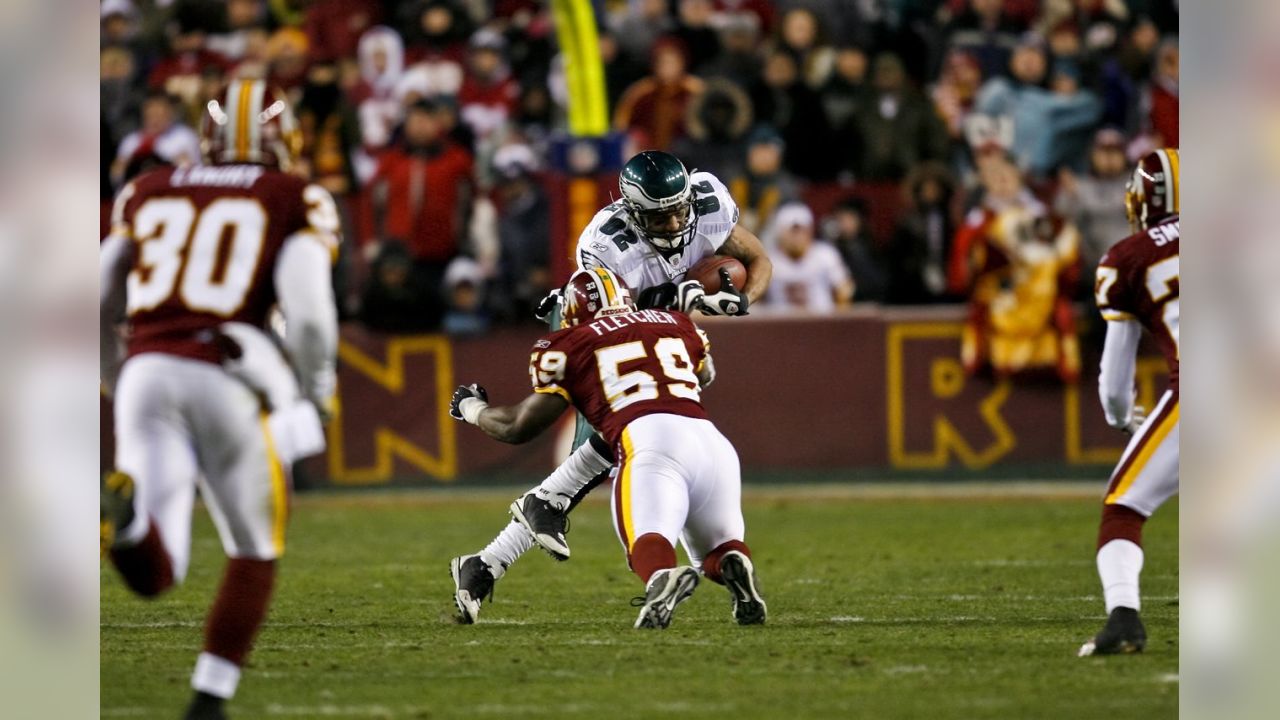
666	590
544	522
1122	635
115	508
205	707
472	582
739	576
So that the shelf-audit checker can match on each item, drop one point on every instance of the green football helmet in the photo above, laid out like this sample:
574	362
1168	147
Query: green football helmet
658	198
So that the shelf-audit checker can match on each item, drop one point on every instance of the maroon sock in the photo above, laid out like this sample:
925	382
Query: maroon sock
145	567
711	563
239	609
650	553
1120	523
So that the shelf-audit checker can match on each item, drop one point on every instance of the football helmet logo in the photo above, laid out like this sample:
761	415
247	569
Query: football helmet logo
594	293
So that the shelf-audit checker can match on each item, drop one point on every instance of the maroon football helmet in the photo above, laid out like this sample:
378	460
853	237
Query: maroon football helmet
593	293
250	123
1152	193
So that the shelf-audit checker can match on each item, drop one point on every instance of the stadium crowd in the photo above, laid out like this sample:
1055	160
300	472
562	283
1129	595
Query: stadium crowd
895	151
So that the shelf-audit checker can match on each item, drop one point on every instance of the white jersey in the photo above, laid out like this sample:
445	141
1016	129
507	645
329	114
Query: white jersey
611	241
808	283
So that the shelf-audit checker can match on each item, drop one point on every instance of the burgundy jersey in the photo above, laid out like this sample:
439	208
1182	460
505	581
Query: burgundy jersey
204	244
1138	279
622	367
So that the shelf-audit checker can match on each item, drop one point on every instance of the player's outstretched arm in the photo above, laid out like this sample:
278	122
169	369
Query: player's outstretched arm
513	424
747	248
1115	377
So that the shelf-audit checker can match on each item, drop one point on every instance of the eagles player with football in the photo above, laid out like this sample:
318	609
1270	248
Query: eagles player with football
665	222
1137	287
678	477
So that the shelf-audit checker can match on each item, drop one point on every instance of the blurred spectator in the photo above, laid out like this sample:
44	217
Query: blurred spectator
1020	267
397	299
641	24
1095	201
757	12
488	96
329	130
782	100
288	13
119	22
765	185
955	93
420	194
1161	96
434	32
846	229
987	33
694	31
739	57
464	287
161	133
524	227
801	36
899	127
119	95
716	125
654	107
921	246
381	67
807	275
287	58
620	69
334	27
178	73
245	19
1043	121
846	89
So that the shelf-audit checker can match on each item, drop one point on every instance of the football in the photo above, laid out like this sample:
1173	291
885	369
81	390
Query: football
707	272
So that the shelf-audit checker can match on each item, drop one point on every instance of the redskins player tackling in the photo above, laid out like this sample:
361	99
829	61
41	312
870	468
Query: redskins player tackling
637	376
1137	287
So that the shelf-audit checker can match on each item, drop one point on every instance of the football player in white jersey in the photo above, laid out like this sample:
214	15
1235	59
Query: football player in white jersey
666	221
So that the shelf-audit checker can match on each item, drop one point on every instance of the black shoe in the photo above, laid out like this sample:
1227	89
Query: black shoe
1122	635
666	590
115	508
544	522
205	707
740	577
472	582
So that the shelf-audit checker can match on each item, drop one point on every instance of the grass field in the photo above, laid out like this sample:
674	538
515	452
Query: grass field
883	604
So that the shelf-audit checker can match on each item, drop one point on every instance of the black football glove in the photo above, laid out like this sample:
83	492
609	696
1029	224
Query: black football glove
465	392
726	301
548	305
659	297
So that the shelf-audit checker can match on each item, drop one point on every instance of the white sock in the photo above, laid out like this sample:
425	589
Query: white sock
506	548
562	485
215	676
1119	565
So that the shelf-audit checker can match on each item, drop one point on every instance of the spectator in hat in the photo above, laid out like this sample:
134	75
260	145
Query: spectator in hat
119	22
898	126
488	96
287	58
161	133
381	54
766	184
1094	201
846	230
653	109
807	275
178	73
716	125
464	286
524	231
1040	118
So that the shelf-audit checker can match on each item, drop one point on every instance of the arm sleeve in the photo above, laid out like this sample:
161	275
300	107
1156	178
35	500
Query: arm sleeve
306	299
113	269
1115	377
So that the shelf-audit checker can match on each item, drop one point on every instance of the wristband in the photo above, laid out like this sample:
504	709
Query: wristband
471	408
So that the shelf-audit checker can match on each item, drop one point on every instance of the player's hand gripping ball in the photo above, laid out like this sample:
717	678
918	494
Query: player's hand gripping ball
463	393
727	301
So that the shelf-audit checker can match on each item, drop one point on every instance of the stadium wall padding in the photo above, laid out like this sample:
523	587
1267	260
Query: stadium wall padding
878	393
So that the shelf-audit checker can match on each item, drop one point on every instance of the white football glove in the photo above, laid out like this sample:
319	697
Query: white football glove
727	301
689	295
1137	417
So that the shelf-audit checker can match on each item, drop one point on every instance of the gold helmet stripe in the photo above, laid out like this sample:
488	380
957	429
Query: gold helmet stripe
1175	202
610	289
242	120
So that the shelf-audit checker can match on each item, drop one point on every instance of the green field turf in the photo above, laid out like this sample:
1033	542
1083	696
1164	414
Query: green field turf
885	605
